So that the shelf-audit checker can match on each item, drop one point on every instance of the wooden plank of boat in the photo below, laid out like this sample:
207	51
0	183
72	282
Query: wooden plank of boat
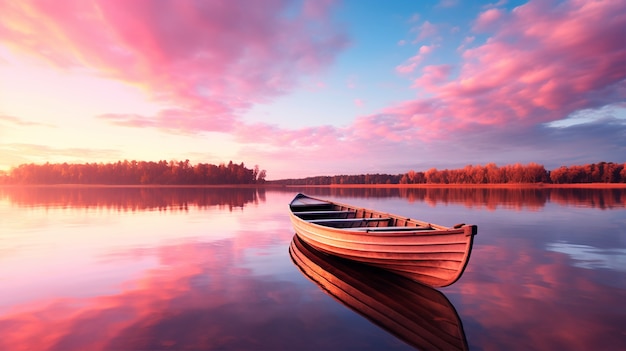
348	222
417	314
322	212
431	254
390	229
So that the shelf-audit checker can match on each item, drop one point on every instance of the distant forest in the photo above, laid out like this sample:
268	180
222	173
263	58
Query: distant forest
134	173
602	172
183	173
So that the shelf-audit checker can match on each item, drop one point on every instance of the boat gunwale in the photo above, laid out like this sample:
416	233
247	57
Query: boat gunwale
407	238
437	228
361	232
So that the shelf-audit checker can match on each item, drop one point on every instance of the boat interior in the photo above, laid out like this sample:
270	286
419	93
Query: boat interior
341	216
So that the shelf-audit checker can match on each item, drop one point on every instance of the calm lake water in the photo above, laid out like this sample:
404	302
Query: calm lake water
185	268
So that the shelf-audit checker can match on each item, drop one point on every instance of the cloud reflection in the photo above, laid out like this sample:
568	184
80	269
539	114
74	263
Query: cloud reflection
199	298
199	289
516	293
592	257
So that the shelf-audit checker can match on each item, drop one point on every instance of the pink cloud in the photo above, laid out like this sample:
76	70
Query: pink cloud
20	122
414	61
512	82
191	54
216	118
317	8
426	49
466	42
432	76
262	133
406	68
426	30
384	127
359	102
488	19
543	62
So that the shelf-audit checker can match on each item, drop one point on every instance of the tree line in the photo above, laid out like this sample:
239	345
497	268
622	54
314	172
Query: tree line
134	173
342	179
182	172
602	172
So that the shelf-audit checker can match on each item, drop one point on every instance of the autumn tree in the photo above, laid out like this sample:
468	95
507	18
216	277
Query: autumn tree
132	173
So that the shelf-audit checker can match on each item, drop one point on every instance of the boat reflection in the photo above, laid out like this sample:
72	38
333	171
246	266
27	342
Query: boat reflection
419	315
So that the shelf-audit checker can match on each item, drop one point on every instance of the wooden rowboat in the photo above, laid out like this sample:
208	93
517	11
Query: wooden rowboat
416	314
428	253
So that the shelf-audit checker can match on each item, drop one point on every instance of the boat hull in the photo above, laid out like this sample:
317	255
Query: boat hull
435	255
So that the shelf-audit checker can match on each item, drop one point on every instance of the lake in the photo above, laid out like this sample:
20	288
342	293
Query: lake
85	268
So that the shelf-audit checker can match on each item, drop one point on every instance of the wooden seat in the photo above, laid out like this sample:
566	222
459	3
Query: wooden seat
348	220
311	213
389	229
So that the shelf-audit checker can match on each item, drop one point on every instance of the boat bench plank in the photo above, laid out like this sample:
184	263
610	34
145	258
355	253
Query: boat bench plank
322	212
348	220
389	229
304	202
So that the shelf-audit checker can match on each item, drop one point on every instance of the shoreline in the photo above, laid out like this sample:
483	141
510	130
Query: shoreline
373	186
475	186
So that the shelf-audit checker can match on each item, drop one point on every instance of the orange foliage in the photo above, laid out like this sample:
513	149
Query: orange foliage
133	173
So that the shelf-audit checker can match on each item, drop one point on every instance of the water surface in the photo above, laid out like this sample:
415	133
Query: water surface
209	268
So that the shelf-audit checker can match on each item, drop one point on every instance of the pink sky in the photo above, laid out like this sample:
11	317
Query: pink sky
305	88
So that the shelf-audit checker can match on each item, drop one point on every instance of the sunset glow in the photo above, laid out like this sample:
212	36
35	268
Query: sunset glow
307	87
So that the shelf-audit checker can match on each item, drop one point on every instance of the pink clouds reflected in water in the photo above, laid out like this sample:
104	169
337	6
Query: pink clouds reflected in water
538	300
149	268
